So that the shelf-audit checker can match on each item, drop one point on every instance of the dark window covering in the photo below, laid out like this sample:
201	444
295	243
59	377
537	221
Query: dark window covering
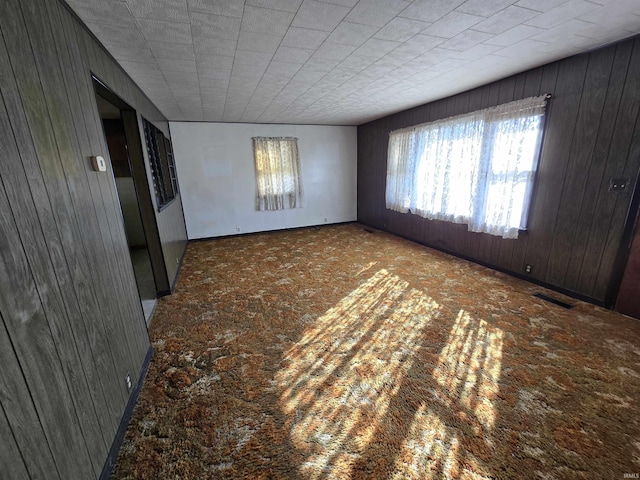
161	163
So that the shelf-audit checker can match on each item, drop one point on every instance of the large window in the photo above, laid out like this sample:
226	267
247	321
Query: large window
476	168
278	179
163	170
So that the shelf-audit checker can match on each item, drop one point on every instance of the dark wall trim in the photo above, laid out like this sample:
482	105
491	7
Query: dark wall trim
164	293
112	458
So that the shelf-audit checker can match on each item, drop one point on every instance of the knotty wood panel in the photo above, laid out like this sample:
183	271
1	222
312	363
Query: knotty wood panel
575	224
11	464
21	415
71	324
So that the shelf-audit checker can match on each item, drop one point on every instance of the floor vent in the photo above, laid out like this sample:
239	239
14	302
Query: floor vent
555	301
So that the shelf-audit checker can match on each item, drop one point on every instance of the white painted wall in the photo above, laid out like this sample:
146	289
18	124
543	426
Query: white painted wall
216	173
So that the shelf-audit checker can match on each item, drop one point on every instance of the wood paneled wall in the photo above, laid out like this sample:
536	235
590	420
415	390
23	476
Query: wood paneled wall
71	324
592	135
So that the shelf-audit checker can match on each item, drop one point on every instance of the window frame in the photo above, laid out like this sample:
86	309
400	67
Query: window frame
408	153
284	199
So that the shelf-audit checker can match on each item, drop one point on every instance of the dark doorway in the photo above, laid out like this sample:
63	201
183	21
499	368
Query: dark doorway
628	295
628	301
122	134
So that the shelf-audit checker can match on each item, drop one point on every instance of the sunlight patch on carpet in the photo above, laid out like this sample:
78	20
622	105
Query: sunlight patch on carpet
343	374
470	364
468	373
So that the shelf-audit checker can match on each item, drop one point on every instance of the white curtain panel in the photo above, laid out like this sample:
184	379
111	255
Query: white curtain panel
278	178
476	168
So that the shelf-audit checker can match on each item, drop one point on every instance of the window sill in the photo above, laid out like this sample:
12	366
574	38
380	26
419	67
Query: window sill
166	205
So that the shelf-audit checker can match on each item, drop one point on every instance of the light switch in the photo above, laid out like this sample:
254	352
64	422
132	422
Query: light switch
98	164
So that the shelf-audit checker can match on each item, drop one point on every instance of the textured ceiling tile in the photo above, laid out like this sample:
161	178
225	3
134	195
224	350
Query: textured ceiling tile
258	42
430	10
505	19
320	65
339	82
562	13
172	50
513	35
170	10
134	54
161	31
285	5
401	29
308	76
214	46
465	40
303	37
333	51
291	54
351	34
374	47
420	44
110	13
540	5
452	24
116	35
519	48
248	70
135	68
265	20
217	26
356	63
177	77
473	53
153	77
560	32
434	56
273	82
176	65
252	58
283	69
319	15
228	8
215	83
376	12
213	74
616	10
398	57
611	28
214	61
485	8
344	3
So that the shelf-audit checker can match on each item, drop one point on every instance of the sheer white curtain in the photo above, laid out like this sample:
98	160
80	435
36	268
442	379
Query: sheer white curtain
278	178
476	168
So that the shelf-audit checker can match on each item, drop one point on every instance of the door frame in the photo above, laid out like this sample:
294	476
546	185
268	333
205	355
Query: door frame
133	137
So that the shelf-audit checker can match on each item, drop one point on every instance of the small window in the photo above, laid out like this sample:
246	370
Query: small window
477	168
162	165
278	179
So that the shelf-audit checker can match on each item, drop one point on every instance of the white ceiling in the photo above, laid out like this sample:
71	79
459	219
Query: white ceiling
337	62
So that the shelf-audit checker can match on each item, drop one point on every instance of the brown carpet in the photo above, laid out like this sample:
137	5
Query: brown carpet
331	353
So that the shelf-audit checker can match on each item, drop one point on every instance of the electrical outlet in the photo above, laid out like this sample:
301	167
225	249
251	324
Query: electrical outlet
527	268
237	229
127	381
325	220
